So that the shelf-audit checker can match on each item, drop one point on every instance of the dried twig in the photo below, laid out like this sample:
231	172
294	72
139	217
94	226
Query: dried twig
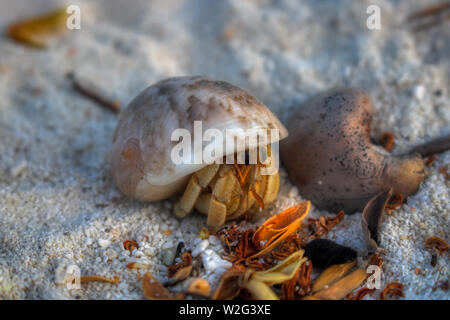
89	90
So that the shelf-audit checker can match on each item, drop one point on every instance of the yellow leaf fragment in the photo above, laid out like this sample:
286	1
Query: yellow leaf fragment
332	274
279	227
259	282
85	279
341	288
34	31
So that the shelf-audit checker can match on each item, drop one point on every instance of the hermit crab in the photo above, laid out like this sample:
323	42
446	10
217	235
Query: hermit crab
198	112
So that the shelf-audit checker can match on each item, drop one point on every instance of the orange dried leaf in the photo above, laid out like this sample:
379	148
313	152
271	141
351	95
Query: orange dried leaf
181	270
341	288
137	265
279	227
361	293
229	286
85	279
130	245
393	288
153	290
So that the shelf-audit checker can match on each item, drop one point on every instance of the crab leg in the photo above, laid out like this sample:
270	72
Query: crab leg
198	181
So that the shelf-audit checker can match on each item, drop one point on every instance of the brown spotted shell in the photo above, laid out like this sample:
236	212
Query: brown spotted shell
141	150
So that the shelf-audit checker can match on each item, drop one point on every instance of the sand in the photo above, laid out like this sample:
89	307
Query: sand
58	204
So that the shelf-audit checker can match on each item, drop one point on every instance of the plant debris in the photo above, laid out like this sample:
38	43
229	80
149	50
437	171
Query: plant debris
199	287
85	279
444	171
229	287
443	285
321	226
373	216
130	245
153	290
182	270
342	287
258	282
393	288
324	253
387	140
137	265
437	244
35	31
94	93
279	227
332	274
360	294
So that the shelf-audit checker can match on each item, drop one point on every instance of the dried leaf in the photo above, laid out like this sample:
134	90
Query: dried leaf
153	290
258	282
323	225
393	288
182	270
373	216
85	279
34	31
360	294
436	243
137	265
199	287
229	286
332	274
279	227
130	245
341	288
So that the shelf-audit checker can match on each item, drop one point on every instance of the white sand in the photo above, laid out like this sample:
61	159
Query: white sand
58	205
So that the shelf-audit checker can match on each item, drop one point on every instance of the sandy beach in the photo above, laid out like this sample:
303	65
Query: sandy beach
58	203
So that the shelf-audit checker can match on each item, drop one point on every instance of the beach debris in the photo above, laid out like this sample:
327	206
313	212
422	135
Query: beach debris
372	218
36	31
182	270
437	244
445	172
322	225
153	290
277	228
443	285
341	288
93	92
229	285
223	192
430	160
199	287
360	294
204	233
92	278
342	169
392	289
324	253
138	265
291	244
387	140
258	283
130	245
300	284
332	274
394	202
